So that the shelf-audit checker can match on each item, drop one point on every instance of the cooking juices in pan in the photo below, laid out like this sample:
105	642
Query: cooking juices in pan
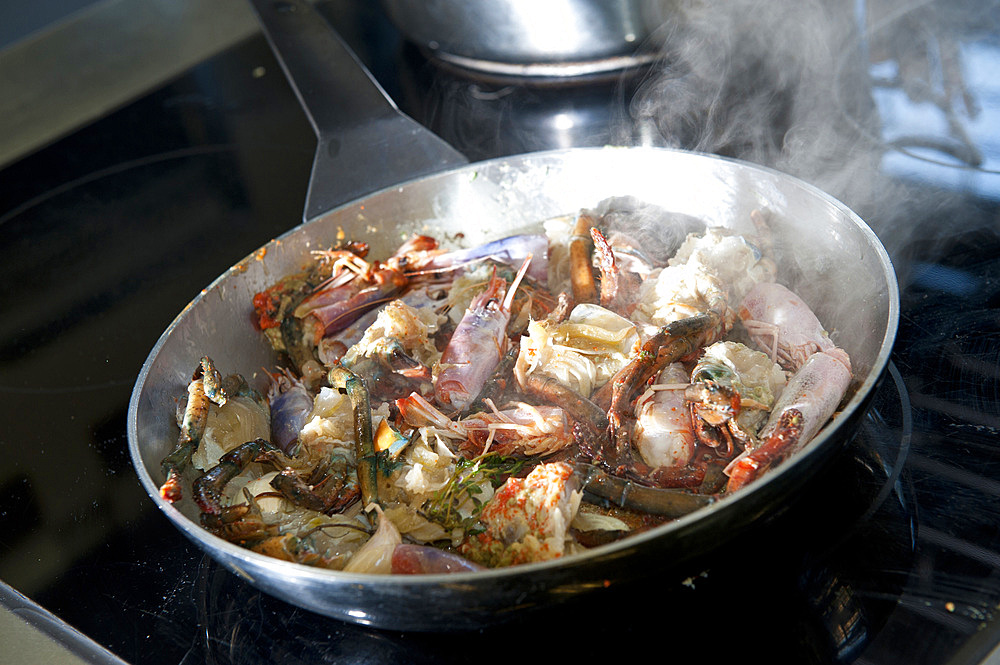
444	410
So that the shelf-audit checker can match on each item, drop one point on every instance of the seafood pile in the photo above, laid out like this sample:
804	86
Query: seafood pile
453	410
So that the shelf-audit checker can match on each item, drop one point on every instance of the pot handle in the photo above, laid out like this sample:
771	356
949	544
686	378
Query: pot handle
364	142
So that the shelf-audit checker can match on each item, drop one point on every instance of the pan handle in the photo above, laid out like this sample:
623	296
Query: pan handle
364	142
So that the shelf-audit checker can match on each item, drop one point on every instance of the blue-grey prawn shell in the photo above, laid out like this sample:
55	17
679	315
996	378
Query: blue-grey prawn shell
291	404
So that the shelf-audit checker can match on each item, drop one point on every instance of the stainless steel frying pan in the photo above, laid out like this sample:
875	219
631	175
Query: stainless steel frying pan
828	255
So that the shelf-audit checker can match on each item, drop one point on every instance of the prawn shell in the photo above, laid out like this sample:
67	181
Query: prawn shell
290	409
410	559
815	391
782	324
512	250
474	350
663	431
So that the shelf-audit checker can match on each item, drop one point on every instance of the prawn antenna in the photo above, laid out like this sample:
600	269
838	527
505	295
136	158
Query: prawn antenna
516	282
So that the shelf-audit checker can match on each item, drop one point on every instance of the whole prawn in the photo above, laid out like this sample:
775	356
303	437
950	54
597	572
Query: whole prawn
780	322
807	403
479	341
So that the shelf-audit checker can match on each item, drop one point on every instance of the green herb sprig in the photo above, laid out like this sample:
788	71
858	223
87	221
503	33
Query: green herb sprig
465	485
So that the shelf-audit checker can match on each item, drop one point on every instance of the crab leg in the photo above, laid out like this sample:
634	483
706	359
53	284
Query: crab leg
618	288
627	494
576	405
205	388
207	490
354	386
329	489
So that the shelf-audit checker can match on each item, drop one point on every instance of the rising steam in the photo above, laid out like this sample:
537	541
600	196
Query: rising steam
777	83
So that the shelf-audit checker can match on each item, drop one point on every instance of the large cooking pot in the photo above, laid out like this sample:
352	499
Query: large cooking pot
828	255
532	37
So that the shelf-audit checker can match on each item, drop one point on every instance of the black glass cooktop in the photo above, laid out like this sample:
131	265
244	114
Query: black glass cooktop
892	555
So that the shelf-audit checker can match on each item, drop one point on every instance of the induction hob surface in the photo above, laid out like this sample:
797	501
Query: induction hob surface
891	555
